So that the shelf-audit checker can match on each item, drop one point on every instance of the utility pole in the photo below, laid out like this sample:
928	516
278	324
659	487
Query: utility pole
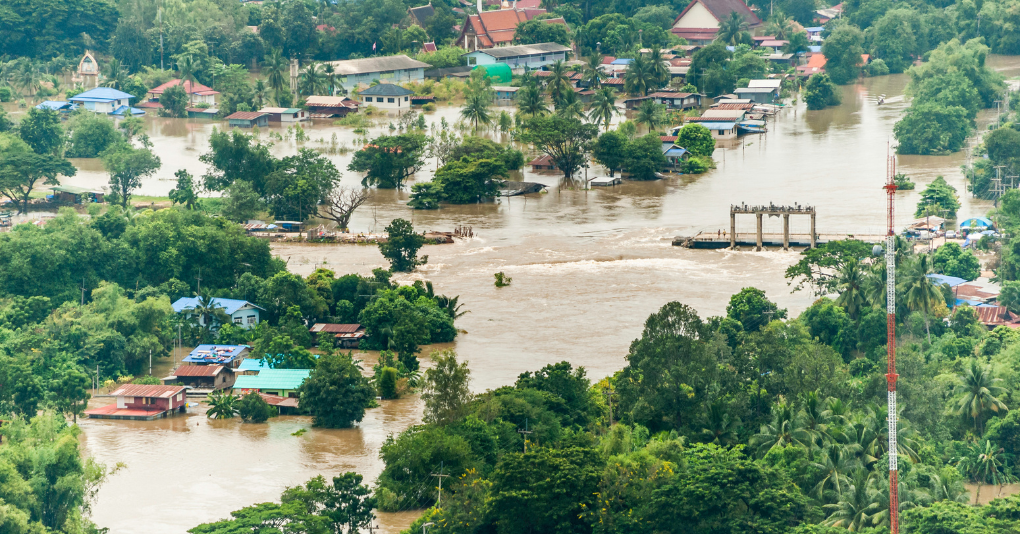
525	433
890	294
609	400
150	362
82	291
199	278
440	476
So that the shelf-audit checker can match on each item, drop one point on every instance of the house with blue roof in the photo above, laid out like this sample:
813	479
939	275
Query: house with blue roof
280	382
241	312
56	105
106	100
229	356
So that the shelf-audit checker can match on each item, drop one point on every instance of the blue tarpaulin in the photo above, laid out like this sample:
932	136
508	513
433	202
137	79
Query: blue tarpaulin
940	279
977	222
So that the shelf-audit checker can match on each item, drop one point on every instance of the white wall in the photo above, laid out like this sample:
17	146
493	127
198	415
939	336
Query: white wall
697	17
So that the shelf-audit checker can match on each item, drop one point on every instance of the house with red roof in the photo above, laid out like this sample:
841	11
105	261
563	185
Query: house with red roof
700	20
815	65
489	29
142	402
197	93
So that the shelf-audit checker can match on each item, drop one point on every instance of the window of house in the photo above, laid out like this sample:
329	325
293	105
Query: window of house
543	58
389	100
237	320
146	400
251	319
405	99
722	132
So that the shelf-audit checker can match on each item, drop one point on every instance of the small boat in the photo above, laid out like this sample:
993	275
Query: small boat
881	99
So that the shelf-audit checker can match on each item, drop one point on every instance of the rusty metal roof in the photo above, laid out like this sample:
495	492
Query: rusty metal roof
142	390
197	370
993	315
334	328
246	115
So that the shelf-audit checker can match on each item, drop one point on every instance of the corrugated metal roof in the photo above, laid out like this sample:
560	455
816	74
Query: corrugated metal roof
246	115
252	364
523	50
100	94
142	390
288	379
197	370
229	305
993	315
336	328
386	89
215	353
377	64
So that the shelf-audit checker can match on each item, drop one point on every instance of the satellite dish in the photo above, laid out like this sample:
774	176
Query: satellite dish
877	250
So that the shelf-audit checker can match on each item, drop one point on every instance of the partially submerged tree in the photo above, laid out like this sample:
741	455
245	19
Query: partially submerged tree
341	203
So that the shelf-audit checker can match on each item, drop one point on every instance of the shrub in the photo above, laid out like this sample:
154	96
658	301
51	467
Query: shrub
254	409
878	68
429	107
6	94
388	383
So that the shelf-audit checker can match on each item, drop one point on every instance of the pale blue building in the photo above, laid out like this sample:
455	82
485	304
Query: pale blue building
517	57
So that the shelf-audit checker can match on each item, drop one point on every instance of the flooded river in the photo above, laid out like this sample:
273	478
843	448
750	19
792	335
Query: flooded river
587	266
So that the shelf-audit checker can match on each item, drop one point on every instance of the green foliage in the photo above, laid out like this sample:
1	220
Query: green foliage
252	408
443	57
221	405
696	139
389	160
877	67
401	246
940	199
610	150
184	192
644	157
41	129
565	140
387	383
842	50
90	135
444	389
752	309
819	92
461	181
336	394
502	280
174	101
537	31
950	259
21	169
127	167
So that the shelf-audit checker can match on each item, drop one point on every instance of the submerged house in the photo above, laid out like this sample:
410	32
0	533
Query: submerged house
348	336
248	119
201	377
106	100
285	114
197	93
543	163
279	382
387	96
228	356
142	402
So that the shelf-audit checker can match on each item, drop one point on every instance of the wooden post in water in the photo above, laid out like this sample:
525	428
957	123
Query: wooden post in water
733	230
786	231
758	241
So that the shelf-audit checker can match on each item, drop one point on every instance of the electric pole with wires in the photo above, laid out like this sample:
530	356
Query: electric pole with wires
440	476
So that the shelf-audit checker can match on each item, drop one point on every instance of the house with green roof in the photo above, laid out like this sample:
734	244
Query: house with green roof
281	382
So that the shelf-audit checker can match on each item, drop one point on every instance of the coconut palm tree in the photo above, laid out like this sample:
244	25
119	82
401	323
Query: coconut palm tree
274	66
558	81
920	291
186	67
639	79
651	114
856	504
208	313
784	429
114	74
476	110
720	428
531	101
980	394
835	465
221	405
260	94
29	77
570	106
592	73
850	282
313	80
780	26
730	30
603	107
983	464
797	43
657	67
330	71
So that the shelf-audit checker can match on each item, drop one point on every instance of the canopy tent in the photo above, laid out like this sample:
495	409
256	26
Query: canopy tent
977	222
499	73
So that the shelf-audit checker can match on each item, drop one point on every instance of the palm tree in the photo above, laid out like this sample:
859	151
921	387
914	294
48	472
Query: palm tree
531	102
260	94
834	463
983	465
29	77
797	43
330	71
114	74
850	281
570	106
658	69
856	505
592	73
603	107
921	293
815	417
207	312
785	429
476	109
651	114
980	394
221	405
313	80
730	30
559	81
275	68
781	27
186	68
638	80
720	428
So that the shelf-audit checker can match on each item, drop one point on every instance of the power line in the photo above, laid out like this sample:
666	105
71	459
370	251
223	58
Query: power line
525	433
440	476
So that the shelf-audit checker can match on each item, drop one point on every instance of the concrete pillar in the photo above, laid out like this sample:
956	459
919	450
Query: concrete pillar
813	235
733	230
786	231
758	241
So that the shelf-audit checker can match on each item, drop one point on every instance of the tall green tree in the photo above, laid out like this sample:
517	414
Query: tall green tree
603	107
401	246
22	169
336	393
842	50
566	140
127	166
980	395
445	389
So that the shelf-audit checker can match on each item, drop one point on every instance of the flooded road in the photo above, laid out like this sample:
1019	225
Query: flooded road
588	267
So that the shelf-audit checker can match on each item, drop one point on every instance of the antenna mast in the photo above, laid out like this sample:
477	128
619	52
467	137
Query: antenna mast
890	291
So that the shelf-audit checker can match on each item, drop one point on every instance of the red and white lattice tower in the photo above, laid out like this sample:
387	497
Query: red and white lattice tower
890	291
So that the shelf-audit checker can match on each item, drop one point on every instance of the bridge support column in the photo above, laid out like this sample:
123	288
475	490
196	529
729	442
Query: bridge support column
758	241
733	231
814	237
786	231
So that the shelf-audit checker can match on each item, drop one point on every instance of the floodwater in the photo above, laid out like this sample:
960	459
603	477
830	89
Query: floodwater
587	266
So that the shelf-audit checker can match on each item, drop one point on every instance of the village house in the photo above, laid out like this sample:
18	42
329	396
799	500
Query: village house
142	402
543	163
387	69
203	379
241	312
202	113
504	92
280	382
420	15
676	100
387	96
106	100
228	356
69	194
700	20
721	128
285	114
489	29
347	335
251	366
330	106
197	93
533	56
248	119
815	65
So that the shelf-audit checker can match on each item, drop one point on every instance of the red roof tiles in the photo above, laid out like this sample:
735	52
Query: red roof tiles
142	390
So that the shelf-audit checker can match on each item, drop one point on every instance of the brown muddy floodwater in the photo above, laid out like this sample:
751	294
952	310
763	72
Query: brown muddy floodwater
587	266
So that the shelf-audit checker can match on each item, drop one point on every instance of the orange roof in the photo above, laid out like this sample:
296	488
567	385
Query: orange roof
189	88
503	19
816	61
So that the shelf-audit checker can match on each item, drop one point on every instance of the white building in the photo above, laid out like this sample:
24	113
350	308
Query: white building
241	312
386	96
518	57
388	69
102	100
